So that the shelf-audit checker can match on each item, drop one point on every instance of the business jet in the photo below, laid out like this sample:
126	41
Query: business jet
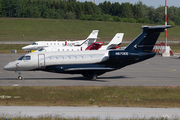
113	44
40	44
90	63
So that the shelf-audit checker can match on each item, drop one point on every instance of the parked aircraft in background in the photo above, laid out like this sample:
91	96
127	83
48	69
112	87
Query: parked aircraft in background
113	44
91	63
40	44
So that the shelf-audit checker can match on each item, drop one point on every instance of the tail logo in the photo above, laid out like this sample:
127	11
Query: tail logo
135	46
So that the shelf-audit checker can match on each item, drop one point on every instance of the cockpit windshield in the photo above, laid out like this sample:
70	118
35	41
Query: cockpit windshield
21	57
41	49
34	43
25	58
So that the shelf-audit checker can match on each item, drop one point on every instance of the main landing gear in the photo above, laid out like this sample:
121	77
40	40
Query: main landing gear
20	77
90	76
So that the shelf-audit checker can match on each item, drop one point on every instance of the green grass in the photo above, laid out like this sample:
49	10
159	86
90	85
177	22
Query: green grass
27	29
7	48
90	96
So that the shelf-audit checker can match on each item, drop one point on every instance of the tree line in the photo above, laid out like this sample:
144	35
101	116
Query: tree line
72	9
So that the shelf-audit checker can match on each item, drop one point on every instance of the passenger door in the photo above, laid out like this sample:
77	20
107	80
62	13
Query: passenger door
41	61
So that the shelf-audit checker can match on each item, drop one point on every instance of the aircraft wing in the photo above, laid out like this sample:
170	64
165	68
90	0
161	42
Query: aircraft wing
95	68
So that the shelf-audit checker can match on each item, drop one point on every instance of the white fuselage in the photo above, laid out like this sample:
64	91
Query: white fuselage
117	39
39	60
40	44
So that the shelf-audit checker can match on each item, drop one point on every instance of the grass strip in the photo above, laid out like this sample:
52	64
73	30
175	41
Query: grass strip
7	48
90	96
31	29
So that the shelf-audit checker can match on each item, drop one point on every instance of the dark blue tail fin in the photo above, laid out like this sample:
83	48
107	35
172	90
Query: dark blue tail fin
147	39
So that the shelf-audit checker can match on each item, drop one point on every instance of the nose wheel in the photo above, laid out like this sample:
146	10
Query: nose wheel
20	77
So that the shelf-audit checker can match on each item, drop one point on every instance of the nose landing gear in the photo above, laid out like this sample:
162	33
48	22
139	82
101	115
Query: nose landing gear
20	77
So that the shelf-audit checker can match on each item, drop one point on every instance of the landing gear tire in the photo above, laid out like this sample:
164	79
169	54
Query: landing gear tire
20	78
93	77
90	76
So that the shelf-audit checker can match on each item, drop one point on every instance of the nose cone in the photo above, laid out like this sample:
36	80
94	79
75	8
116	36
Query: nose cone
10	67
6	67
26	47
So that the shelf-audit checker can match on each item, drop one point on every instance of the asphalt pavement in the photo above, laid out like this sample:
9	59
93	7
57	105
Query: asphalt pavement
157	71
90	112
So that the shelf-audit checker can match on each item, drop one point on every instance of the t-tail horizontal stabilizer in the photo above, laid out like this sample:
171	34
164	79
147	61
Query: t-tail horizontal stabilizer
147	39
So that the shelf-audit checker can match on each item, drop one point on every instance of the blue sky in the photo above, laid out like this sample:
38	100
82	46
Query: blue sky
155	3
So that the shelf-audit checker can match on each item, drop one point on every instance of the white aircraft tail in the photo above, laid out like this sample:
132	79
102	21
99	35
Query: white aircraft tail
117	39
90	39
93	34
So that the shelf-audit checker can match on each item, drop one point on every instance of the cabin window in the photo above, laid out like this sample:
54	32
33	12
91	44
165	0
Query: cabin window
73	57
79	57
54	43
61	58
51	43
27	58
47	43
54	58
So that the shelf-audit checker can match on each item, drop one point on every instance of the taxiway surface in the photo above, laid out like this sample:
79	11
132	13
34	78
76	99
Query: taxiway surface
157	71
